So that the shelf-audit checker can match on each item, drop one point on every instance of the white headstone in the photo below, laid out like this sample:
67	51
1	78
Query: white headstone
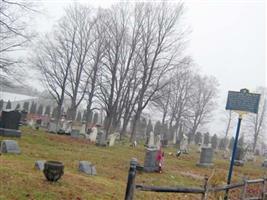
93	134
184	144
151	141
82	130
112	139
31	123
68	128
39	165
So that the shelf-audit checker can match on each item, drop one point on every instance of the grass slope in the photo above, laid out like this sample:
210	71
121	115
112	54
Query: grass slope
19	180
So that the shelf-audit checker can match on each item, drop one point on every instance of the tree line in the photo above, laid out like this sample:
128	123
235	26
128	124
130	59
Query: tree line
124	59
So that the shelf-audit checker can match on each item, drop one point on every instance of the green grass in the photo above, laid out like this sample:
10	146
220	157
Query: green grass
19	180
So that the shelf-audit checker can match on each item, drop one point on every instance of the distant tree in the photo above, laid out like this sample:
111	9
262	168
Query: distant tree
47	110
8	105
33	108
149	127
214	141
95	118
231	144
1	104
198	138
157	128
17	107
206	138
40	109
79	116
26	105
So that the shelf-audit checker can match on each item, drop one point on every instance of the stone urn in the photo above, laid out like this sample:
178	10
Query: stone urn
53	170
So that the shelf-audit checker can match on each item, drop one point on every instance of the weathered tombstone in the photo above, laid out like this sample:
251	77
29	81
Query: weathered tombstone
112	138
39	165
52	127
239	156
31	123
93	135
184	144
68	128
151	141
82	130
164	142
264	164
87	167
206	157
10	146
75	133
150	164
101	139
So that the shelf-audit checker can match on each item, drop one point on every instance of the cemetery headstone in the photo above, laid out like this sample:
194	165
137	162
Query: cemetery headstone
10	124
206	157
31	123
53	170
82	131
101	139
68	128
184	144
52	127
112	138
10	146
151	141
150	164
75	133
39	165
93	135
87	167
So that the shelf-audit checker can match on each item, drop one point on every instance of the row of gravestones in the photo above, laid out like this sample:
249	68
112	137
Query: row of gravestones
84	166
206	158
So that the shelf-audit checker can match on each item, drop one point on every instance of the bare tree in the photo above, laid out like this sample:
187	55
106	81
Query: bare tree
257	123
202	102
53	57
158	50
78	18
14	34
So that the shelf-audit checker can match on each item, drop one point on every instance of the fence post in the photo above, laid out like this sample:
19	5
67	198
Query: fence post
205	193
244	188
131	180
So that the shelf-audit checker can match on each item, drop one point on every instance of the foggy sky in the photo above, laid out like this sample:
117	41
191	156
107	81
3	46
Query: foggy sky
227	40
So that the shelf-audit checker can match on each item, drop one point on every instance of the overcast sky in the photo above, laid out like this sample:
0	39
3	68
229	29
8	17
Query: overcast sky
227	40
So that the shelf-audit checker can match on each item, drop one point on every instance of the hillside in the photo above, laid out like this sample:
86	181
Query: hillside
19	180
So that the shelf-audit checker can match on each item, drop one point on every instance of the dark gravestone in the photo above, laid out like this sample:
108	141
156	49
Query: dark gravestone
164	142
10	120
53	170
206	157
239	156
150	164
87	167
10	146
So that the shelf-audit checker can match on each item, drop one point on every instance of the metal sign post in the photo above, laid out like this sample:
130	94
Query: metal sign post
241	102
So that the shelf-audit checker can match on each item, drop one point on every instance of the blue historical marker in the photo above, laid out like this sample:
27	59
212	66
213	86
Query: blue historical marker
241	102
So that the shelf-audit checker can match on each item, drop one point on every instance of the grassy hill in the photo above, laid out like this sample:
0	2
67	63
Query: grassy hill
19	180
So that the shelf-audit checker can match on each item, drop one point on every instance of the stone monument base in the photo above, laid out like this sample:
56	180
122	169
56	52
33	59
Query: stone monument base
10	132
206	165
